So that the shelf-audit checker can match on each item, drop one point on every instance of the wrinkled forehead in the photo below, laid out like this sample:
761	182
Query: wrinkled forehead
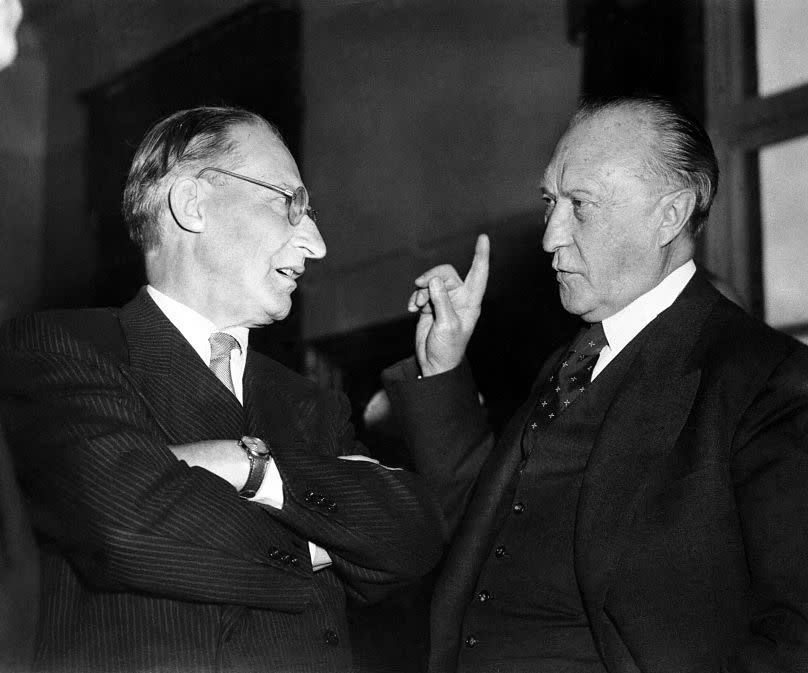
603	145
264	155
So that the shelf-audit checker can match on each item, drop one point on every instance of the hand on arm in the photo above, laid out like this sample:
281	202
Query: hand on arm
223	457
449	309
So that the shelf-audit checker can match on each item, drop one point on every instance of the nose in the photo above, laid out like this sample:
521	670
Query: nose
556	232
307	236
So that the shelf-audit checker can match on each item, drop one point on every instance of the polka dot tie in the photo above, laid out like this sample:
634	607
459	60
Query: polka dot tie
221	344
573	375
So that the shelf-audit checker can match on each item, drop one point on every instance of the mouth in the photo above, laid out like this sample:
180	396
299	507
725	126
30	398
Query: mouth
291	272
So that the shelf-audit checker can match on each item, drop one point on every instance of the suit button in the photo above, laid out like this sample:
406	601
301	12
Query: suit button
322	501
311	495
275	553
483	596
471	641
331	506
499	552
331	637
518	508
286	558
294	560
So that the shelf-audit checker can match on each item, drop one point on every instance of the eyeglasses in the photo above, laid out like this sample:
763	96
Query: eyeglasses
297	201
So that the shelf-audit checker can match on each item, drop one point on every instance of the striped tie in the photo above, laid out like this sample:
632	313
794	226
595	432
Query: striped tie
221	344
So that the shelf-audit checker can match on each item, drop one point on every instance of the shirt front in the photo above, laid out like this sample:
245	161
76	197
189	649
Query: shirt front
627	323
197	329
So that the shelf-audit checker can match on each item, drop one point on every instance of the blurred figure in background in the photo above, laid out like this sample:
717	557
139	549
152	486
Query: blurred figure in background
19	568
10	17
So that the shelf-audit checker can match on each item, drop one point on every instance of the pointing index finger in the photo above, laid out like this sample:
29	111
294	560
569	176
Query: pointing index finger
477	277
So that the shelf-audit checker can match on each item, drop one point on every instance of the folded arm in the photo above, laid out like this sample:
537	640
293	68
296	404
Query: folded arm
381	526
106	489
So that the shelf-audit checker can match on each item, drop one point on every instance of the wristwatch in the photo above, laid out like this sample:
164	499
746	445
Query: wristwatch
259	454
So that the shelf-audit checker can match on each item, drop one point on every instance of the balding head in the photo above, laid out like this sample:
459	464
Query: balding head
677	151
622	192
180	144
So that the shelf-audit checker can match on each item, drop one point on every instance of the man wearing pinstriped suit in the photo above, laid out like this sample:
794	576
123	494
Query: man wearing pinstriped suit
170	541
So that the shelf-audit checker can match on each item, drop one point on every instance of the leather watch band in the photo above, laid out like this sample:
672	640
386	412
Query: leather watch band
258	453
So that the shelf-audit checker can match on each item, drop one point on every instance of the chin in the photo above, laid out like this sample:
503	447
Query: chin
278	313
570	302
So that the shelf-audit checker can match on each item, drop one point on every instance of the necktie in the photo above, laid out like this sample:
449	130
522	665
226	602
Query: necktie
573	374
221	344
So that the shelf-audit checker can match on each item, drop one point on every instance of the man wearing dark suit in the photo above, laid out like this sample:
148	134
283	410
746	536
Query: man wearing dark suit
647	508
201	507
19	570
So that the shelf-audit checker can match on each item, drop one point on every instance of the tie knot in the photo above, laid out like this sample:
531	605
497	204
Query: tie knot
591	341
221	343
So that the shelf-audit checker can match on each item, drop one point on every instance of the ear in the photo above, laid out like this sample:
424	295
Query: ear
185	199
676	209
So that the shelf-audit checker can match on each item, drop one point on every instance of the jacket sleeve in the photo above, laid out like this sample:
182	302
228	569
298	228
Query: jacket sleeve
106	491
381	526
445	429
770	477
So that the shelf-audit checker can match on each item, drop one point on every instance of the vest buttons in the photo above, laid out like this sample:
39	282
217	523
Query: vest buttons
499	552
471	641
518	508
483	596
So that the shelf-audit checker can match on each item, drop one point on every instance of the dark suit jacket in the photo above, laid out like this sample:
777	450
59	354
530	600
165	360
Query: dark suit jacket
19	571
152	565
691	534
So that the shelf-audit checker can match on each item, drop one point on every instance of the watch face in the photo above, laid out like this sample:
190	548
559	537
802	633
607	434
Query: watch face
255	446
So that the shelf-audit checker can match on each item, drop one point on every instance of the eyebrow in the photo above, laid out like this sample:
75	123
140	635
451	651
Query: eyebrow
581	190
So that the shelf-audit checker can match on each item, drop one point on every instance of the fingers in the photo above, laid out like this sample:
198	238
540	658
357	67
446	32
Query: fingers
446	272
419	301
475	282
441	304
477	277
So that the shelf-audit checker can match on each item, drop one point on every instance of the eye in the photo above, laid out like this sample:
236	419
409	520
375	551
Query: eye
549	204
579	208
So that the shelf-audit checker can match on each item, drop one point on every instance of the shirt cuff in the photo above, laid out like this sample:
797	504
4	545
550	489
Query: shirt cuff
319	557
271	490
271	493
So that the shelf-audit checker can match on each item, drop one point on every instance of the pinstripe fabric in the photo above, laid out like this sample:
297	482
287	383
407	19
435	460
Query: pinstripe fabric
151	565
19	572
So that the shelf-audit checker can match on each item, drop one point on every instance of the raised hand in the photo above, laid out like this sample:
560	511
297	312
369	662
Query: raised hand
449	310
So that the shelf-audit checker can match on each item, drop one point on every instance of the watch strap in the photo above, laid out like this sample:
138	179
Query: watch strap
258	469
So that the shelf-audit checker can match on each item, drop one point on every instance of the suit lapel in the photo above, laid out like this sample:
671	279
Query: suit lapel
186	399
640	429
270	411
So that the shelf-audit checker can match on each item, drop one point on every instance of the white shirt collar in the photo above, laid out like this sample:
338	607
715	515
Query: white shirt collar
195	327
627	323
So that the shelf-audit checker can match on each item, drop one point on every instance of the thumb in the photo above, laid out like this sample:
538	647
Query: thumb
442	305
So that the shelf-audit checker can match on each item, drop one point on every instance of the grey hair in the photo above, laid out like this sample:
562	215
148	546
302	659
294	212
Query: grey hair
188	139
682	154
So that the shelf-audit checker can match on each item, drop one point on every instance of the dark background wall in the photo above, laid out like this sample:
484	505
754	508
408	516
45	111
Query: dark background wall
422	123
